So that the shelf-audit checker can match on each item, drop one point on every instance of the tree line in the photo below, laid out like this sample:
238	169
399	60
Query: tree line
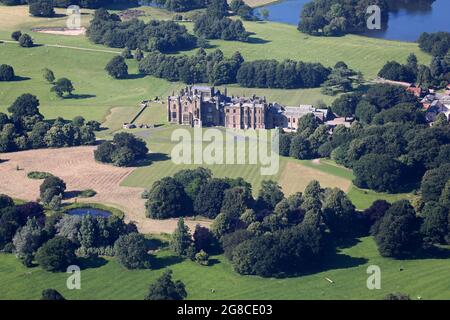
278	235
390	147
45	8
26	128
436	75
216	69
339	17
165	36
214	24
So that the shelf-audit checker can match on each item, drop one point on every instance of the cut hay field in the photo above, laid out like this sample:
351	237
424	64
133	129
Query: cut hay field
427	278
77	167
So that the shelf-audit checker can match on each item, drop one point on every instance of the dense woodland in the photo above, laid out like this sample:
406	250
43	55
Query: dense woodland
274	235
26	128
390	147
436	75
214	68
162	36
338	17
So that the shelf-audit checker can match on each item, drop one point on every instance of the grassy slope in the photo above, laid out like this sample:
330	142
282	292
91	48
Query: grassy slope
427	278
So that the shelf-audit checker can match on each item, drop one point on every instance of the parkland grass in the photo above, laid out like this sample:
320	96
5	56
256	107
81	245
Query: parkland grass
105	279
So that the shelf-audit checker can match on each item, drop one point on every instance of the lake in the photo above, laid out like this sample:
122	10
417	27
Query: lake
407	19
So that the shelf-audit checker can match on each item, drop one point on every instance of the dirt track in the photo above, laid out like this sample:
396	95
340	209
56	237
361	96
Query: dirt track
77	167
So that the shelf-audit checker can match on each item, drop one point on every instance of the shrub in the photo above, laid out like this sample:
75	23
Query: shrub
88	193
16	35
202	258
26	41
51	294
38	175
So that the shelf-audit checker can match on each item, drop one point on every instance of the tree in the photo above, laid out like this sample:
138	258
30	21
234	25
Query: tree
193	180
285	144
138	55
444	200
16	35
208	201
27	240
433	182
365	112
204	239
300	148
48	75
131	251
126	53
52	186
397	296
375	212
378	172
26	41
269	195
42	8
6	73
164	288
181	242
312	197
167	199
338	212
434	227
345	105
62	86
236	200
398	232
290	209
6	201
122	151
51	294
117	68
25	105
56	254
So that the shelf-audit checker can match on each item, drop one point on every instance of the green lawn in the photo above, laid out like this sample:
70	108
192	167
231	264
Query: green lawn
427	278
281	41
160	144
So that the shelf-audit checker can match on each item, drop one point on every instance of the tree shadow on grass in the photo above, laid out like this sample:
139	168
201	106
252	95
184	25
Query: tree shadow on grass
164	262
91	263
134	76
19	78
150	158
80	96
255	40
434	252
155	244
71	194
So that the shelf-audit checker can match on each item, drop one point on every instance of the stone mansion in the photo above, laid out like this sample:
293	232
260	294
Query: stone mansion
200	106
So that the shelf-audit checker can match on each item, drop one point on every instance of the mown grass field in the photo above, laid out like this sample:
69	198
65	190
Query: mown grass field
427	278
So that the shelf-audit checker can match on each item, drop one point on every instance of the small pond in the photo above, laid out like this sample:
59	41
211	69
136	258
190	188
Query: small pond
89	211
